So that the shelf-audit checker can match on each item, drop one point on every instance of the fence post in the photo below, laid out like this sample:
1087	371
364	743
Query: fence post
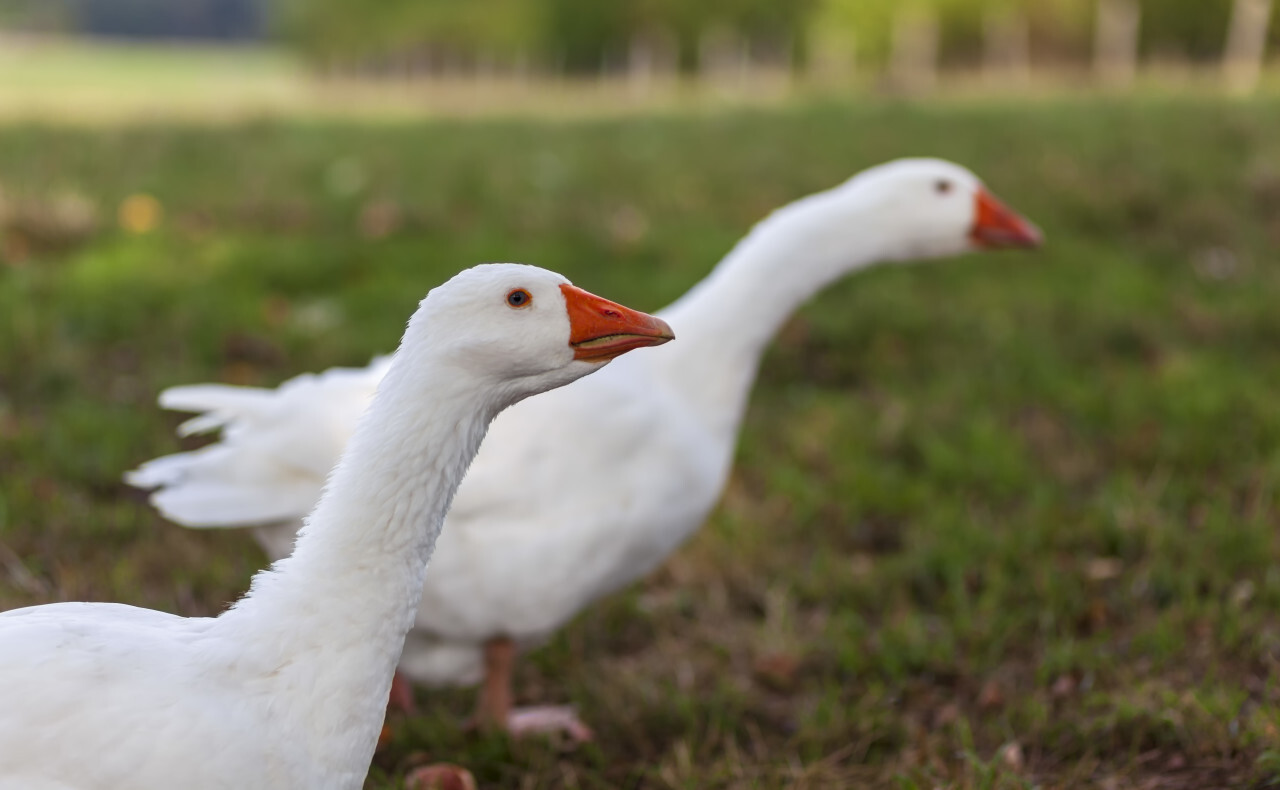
652	57
1006	44
834	59
1115	52
1246	44
913	63
724	59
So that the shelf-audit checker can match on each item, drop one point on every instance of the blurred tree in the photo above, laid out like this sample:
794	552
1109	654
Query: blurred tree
577	35
583	35
869	23
1185	29
590	35
35	16
1058	28
342	30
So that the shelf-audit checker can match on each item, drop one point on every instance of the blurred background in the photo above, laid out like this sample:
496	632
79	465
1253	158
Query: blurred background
1003	522
275	56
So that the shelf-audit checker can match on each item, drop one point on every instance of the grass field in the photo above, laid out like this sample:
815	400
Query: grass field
1000	522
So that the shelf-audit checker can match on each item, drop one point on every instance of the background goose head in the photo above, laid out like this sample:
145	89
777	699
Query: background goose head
928	208
522	329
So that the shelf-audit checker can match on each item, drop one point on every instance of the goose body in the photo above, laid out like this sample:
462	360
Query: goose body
287	688
567	502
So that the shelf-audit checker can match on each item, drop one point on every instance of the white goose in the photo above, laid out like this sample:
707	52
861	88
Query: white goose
287	688
569	500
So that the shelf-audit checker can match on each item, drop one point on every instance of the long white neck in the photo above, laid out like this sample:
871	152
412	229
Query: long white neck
330	621
724	324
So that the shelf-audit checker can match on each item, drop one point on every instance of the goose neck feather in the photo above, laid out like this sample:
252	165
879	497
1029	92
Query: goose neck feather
727	320
332	617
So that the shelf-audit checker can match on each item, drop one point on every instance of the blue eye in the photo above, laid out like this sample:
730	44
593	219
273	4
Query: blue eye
519	297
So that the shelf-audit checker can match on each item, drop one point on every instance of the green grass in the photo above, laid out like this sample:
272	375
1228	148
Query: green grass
1008	521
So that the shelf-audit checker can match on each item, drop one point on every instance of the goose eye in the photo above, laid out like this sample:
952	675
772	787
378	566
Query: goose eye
519	297
942	186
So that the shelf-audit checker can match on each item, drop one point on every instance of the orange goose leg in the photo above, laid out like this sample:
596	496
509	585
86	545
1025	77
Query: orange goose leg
494	710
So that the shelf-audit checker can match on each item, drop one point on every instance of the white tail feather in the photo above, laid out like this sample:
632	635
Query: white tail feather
276	450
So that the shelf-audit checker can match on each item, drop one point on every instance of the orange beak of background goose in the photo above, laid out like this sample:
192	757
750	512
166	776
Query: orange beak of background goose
997	225
600	330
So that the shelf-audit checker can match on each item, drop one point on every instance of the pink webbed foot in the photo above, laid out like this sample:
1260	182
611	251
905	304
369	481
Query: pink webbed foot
548	719
495	713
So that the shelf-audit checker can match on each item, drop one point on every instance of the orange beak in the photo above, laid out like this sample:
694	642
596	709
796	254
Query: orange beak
600	330
997	225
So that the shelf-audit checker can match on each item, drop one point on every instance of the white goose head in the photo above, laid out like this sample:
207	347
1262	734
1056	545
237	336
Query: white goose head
523	329
928	208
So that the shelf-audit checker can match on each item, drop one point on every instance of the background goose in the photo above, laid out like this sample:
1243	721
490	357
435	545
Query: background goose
569	501
286	689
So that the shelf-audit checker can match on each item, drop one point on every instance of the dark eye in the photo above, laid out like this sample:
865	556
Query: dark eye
942	186
519	297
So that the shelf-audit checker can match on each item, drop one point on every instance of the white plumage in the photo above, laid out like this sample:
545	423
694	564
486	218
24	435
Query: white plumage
568	501
287	688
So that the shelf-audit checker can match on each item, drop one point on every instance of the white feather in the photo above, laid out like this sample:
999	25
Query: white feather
287	689
567	500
